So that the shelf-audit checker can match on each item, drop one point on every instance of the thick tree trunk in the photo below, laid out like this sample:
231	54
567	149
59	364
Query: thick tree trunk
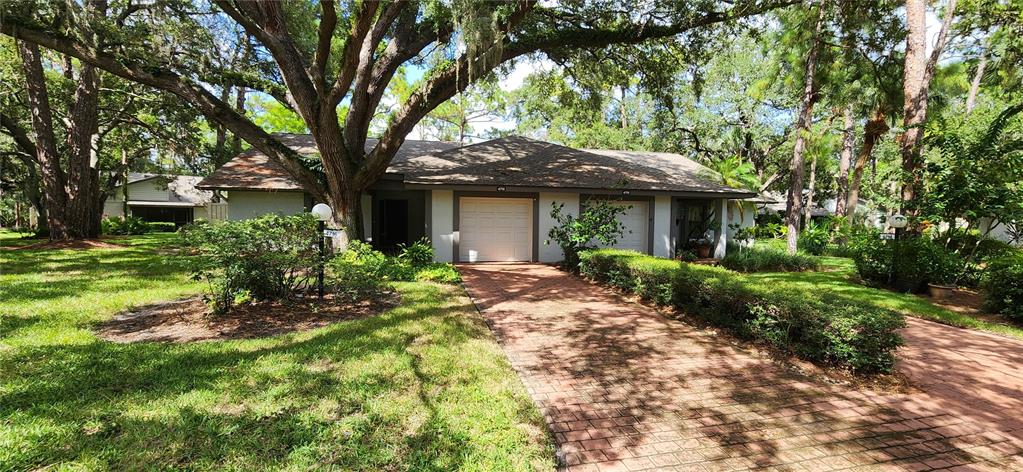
845	161
45	145
347	217
971	99
919	68
83	175
794	205
875	127
915	106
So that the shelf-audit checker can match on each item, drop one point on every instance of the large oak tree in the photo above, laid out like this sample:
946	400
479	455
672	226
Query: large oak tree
331	63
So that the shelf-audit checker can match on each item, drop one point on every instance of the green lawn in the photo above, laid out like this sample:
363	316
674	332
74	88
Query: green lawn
421	387
839	275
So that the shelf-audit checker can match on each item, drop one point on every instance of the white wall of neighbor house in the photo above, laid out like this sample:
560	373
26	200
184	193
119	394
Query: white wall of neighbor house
742	214
250	204
154	190
662	226
442	226
552	252
113	208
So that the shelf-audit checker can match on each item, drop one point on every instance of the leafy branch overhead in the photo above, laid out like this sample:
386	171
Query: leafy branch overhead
331	62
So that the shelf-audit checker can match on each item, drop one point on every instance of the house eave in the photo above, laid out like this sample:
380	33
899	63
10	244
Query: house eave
601	191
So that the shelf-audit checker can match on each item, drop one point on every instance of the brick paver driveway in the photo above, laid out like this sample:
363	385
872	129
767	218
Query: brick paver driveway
623	388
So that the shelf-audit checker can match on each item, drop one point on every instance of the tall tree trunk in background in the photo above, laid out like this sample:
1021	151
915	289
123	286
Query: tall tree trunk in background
844	161
808	210
919	69
82	172
124	184
794	205
875	127
45	144
239	105
971	99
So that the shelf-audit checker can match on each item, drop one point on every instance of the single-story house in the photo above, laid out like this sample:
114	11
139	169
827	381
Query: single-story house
163	197
492	201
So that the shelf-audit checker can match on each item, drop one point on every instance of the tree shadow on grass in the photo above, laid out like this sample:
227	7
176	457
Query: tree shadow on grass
618	382
353	396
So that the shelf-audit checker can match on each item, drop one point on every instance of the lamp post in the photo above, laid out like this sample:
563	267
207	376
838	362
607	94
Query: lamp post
322	212
898	222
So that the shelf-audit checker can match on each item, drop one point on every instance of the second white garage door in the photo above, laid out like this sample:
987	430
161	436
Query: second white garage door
495	229
637	222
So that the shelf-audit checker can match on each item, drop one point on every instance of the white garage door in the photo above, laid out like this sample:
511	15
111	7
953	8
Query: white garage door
495	229
637	223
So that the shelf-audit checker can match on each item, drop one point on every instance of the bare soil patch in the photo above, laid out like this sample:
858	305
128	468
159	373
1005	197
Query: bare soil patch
961	301
73	244
189	320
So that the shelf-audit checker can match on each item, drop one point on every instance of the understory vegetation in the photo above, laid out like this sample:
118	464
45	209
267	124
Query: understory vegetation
767	259
820	326
423	386
274	258
133	225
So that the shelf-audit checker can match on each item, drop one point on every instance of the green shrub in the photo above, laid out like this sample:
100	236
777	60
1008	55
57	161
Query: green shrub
358	273
440	272
821	327
162	227
757	259
598	222
417	254
361	271
814	239
1004	286
266	258
117	225
872	256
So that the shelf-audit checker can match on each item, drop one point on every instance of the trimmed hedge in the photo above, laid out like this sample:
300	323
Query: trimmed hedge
756	259
162	227
822	327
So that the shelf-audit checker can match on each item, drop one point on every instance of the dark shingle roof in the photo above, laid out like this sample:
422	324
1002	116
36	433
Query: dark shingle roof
524	162
511	161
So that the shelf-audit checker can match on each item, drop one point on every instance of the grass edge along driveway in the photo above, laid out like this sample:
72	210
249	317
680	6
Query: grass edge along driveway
839	274
421	387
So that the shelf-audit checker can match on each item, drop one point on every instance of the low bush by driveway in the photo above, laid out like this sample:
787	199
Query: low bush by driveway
822	327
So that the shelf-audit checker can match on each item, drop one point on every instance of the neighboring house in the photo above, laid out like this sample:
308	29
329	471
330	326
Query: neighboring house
775	202
492	201
161	197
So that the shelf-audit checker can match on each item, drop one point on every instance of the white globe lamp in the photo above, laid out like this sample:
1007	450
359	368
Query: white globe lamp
898	221
322	212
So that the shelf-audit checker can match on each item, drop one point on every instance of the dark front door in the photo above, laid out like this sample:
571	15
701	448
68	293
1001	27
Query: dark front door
394	220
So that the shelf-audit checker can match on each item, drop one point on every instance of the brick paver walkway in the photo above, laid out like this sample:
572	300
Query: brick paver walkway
623	388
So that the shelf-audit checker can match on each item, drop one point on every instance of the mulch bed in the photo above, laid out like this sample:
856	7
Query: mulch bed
189	320
72	244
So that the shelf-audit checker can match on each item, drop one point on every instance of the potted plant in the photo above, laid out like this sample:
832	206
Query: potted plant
703	248
941	289
945	271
